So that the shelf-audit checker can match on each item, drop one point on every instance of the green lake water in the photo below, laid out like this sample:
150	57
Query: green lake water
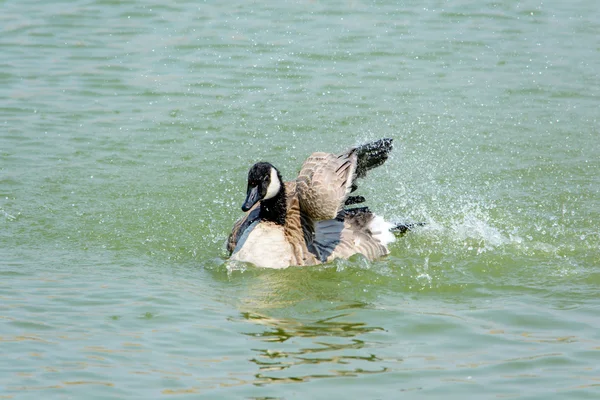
127	130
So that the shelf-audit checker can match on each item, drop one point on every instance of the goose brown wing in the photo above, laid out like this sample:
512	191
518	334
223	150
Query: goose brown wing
324	183
348	234
326	180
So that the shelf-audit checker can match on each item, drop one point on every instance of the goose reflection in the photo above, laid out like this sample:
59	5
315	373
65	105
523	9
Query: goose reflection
309	323
297	351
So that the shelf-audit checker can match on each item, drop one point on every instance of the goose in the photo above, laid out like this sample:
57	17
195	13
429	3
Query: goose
307	221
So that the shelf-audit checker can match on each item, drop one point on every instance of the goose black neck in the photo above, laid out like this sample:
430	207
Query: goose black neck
275	208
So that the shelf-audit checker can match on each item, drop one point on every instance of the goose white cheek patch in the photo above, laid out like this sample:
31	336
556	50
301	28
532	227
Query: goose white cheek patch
274	185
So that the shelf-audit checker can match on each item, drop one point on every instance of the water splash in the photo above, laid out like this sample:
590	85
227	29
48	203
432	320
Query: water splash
7	215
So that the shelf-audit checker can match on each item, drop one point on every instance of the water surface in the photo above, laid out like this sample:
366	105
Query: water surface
127	130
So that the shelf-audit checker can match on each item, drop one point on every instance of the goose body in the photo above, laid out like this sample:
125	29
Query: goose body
265	244
306	221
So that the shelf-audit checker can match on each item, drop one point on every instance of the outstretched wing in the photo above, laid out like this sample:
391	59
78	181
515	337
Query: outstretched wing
324	183
326	180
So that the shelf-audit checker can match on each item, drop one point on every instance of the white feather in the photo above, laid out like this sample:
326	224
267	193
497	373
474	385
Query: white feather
380	229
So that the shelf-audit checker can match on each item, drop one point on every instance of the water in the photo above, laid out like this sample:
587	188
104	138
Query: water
126	133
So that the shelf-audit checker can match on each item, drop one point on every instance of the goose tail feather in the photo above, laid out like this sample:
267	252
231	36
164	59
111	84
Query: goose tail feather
401	229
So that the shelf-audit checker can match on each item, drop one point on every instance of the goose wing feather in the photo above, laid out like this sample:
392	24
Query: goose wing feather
346	235
324	182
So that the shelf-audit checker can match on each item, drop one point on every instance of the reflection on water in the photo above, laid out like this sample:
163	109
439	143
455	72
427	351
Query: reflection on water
283	329
337	349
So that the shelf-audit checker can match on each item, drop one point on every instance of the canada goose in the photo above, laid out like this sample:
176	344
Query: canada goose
305	221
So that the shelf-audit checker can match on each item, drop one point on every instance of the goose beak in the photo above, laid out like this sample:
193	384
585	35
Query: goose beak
251	199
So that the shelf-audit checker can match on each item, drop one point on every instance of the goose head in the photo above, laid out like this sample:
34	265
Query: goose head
264	183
